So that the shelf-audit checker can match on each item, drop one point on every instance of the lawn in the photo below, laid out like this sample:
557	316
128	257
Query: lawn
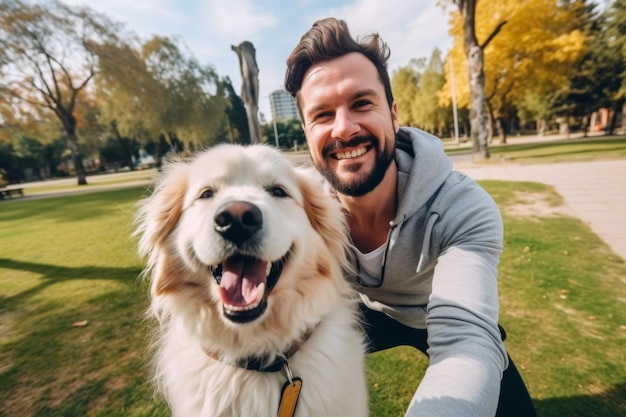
576	149
73	338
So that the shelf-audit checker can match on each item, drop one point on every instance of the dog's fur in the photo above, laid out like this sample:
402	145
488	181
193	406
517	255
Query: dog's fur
285	214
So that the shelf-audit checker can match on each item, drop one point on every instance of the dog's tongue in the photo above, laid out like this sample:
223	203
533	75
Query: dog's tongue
241	277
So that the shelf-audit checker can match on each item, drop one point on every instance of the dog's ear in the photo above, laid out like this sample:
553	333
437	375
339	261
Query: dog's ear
324	211
165	275
159	213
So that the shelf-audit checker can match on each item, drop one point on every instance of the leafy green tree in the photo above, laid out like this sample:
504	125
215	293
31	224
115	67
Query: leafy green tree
119	152
10	171
126	93
405	84
238	130
290	134
426	109
615	50
48	59
595	79
162	95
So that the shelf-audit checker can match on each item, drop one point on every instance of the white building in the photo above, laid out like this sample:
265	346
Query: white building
283	106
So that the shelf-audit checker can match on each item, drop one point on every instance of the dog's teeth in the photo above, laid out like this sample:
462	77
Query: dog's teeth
260	293
268	269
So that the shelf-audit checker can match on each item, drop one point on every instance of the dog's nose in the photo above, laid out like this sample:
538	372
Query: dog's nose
237	221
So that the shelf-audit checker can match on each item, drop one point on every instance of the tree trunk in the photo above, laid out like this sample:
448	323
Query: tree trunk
77	157
614	115
69	123
126	147
475	61
501	131
490	119
541	127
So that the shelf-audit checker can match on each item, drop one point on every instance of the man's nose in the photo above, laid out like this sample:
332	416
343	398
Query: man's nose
344	125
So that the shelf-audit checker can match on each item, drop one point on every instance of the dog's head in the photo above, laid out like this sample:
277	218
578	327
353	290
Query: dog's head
235	227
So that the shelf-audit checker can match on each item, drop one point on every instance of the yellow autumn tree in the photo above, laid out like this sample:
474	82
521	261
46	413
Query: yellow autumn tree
535	51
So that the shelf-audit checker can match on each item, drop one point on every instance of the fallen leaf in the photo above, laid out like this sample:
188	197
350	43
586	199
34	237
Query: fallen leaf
82	323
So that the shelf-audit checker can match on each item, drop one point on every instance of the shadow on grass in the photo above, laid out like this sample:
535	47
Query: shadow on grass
52	368
605	404
54	274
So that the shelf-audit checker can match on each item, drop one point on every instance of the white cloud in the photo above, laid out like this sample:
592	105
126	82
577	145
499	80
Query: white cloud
236	20
137	14
411	29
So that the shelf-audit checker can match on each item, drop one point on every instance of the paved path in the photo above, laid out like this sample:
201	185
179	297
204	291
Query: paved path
594	191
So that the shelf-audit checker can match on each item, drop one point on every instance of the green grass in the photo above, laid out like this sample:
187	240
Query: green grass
94	181
580	149
67	259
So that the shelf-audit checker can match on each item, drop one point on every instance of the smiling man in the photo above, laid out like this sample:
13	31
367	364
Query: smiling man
427	239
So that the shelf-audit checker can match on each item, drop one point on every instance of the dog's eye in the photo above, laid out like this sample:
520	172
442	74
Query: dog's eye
277	191
207	194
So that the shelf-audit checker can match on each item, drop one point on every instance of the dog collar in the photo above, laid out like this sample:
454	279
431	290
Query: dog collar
260	363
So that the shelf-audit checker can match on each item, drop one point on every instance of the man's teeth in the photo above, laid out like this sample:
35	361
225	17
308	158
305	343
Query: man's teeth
259	296
352	154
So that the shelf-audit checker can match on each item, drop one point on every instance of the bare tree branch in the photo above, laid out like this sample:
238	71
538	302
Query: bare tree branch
493	34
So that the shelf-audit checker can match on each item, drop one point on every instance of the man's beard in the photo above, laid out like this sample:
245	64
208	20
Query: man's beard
366	182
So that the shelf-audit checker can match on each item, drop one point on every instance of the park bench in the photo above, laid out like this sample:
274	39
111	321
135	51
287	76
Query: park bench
10	192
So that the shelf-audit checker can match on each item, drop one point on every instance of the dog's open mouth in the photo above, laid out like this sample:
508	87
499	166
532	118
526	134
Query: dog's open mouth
245	283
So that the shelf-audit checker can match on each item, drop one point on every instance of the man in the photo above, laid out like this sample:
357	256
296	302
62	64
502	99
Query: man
427	238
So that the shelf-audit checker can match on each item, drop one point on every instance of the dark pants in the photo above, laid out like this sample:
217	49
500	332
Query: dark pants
383	333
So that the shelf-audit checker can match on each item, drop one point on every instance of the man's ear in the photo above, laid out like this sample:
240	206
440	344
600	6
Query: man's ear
394	116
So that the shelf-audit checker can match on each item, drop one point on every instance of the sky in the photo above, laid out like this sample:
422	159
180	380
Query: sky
411	28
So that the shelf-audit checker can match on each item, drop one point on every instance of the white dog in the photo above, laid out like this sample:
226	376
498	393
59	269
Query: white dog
246	259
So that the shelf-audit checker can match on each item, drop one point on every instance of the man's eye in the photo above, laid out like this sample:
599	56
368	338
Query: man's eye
322	116
206	194
362	103
277	191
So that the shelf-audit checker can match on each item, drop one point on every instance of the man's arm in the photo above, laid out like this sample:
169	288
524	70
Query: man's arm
467	356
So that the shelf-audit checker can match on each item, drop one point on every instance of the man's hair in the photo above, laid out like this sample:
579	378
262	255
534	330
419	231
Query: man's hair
330	38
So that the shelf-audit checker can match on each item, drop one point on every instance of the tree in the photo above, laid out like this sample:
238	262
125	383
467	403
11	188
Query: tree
428	113
238	130
535	55
405	84
126	93
161	94
474	53
290	133
48	59
615	51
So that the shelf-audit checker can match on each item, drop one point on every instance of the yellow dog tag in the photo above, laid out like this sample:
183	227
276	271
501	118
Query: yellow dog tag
289	398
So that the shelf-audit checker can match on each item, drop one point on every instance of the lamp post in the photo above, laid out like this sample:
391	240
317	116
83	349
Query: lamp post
456	120
275	131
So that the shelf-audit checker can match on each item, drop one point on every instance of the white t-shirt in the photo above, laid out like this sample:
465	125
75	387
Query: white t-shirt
371	265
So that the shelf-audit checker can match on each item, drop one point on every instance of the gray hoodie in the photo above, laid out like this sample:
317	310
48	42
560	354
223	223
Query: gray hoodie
440	273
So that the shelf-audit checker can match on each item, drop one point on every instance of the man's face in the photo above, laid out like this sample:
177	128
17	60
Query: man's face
349	126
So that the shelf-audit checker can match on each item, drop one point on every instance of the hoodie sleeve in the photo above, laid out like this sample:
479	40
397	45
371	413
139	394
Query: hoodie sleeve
467	356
